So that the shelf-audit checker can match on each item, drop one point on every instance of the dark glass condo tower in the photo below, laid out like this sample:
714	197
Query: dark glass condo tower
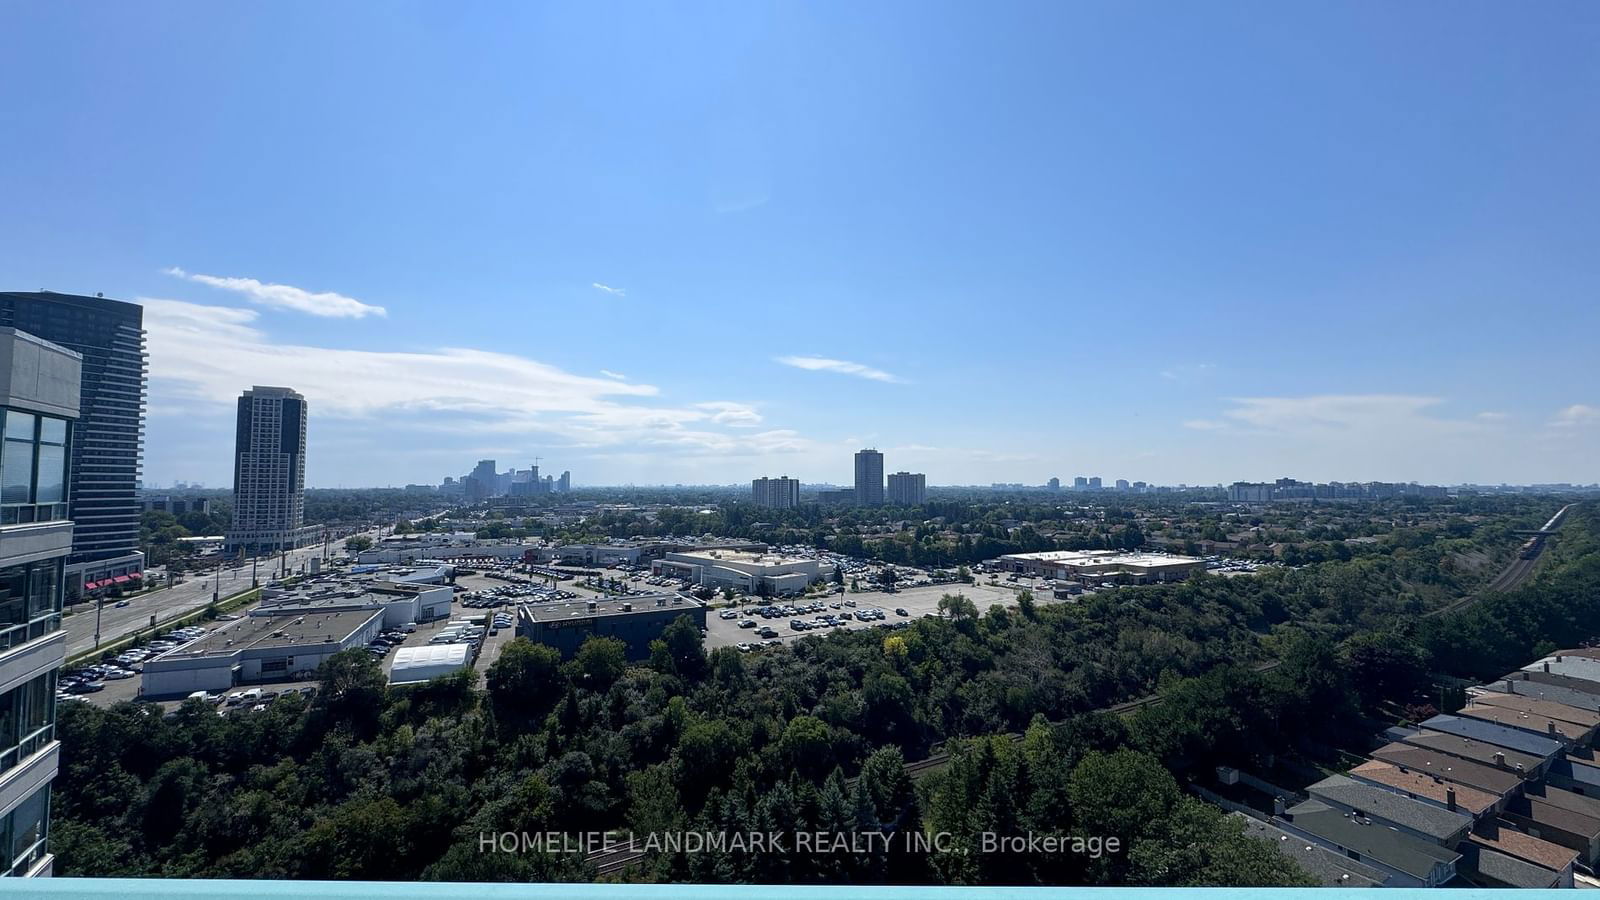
108	440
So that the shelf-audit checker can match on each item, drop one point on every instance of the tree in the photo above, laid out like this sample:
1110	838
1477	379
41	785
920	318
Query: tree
353	692
525	682
684	649
806	746
357	543
1121	794
957	607
601	661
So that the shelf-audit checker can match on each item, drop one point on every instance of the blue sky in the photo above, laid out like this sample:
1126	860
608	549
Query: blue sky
662	243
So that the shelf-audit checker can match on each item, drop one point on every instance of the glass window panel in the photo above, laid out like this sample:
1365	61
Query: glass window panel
13	595
19	425
16	470
52	431
52	474
27	822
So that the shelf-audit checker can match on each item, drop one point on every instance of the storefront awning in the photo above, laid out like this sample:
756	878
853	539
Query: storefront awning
122	579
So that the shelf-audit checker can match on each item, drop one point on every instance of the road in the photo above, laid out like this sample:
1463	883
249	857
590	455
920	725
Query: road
176	601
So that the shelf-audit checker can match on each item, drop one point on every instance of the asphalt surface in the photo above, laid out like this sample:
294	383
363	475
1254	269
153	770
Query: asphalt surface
173	602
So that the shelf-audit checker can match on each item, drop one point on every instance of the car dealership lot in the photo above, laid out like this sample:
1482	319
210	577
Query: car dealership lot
916	601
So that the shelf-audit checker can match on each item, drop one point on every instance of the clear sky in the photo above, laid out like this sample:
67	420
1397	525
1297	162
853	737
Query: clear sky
680	242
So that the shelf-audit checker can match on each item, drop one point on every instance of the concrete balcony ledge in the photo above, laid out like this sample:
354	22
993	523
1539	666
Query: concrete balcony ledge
33	541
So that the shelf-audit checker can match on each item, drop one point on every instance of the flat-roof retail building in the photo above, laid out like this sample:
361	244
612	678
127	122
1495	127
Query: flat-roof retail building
765	574
1102	565
636	621
259	649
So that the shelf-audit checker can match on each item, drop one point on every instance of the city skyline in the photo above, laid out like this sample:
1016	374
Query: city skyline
516	253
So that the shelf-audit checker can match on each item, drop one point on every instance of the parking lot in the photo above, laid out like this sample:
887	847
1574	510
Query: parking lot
916	601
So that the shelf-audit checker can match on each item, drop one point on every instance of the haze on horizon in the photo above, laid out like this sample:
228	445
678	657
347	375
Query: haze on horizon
703	243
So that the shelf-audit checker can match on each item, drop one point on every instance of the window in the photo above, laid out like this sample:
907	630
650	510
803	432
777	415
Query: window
33	468
27	719
30	602
23	833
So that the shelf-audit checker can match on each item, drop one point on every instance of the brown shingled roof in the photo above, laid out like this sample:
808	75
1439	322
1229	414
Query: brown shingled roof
1468	800
1514	843
1551	709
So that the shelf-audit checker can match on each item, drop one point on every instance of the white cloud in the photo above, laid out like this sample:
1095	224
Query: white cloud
203	356
1576	415
1339	413
842	367
610	374
1205	425
734	415
283	296
1491	416
615	292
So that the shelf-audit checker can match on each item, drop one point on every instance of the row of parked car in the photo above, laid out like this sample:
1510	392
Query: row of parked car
506	595
253	699
383	643
91	679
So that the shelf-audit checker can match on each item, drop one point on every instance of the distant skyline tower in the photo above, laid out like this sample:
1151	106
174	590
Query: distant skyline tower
1054	484
1094	482
1080	483
776	493
908	488
869	477
269	472
564	483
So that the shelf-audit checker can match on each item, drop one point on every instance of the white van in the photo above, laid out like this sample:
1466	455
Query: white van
200	695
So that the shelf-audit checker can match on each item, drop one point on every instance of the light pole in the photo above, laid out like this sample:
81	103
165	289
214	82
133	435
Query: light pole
97	606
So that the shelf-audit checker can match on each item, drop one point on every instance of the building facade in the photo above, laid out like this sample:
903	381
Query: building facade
108	439
869	478
636	621
908	488
778	493
269	473
40	392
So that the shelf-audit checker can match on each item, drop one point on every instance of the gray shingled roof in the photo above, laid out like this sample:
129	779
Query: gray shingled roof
1513	872
1389	806
1490	733
1333	869
1552	692
1402	852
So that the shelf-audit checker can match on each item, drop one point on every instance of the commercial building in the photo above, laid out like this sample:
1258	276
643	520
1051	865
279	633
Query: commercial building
401	602
259	649
636	621
762	574
869	478
908	489
1099	566
108	439
836	497
175	505
39	396
782	492
588	555
269	473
